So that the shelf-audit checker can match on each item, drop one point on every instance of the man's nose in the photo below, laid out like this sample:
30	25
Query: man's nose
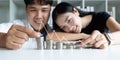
39	15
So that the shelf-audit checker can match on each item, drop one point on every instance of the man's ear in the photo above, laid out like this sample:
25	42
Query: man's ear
26	11
76	11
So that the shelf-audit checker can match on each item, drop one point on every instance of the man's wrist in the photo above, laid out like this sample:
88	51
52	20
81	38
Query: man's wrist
3	40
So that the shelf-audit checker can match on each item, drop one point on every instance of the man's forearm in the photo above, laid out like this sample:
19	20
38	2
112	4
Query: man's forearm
2	40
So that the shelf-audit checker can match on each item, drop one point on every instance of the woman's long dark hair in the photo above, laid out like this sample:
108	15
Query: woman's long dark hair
64	7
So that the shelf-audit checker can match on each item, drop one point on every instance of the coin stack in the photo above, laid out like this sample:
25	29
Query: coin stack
59	45
40	42
49	44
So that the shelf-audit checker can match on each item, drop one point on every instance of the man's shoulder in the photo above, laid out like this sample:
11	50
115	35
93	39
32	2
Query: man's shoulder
4	27
19	22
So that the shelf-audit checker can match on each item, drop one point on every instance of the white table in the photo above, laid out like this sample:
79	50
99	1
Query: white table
111	53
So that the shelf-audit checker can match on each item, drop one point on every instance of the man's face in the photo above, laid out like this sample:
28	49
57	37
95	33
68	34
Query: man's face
38	15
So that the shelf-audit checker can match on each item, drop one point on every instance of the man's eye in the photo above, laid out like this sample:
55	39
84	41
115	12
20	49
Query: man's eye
45	10
32	10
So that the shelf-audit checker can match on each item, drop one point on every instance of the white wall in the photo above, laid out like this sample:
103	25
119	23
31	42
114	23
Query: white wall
14	9
4	14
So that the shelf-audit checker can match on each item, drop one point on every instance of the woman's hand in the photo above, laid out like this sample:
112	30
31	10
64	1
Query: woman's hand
97	39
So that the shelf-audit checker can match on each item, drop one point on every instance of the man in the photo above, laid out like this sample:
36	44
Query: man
16	35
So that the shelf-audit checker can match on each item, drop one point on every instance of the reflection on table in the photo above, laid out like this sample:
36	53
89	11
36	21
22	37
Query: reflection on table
111	53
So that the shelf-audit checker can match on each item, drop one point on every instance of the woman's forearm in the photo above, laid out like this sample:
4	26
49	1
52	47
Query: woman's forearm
58	36
115	37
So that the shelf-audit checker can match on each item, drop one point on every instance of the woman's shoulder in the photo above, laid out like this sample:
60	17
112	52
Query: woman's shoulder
102	13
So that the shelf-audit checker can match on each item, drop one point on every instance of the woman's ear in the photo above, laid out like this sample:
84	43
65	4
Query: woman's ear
76	11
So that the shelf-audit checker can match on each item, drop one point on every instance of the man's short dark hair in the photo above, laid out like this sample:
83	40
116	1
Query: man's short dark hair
41	2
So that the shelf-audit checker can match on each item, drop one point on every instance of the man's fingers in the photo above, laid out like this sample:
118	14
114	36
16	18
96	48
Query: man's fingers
18	35
21	35
19	40
12	45
28	31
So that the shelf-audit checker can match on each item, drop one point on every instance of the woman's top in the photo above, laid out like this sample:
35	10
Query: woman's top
98	22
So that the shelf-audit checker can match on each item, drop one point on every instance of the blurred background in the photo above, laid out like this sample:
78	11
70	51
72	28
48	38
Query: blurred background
14	9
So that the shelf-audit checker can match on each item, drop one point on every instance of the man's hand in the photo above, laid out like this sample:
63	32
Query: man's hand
18	35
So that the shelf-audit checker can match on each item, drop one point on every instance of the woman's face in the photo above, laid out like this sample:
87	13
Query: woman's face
69	22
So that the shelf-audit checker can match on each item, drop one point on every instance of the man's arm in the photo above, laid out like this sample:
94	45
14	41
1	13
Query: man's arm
2	40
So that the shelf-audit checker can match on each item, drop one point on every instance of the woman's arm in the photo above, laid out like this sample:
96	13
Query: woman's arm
114	28
58	36
100	40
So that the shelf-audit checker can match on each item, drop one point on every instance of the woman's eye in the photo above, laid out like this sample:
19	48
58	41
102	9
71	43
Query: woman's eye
69	21
62	27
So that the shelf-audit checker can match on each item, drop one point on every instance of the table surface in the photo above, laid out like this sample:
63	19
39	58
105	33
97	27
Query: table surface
110	53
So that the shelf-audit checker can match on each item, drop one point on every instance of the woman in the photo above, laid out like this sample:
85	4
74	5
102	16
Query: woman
70	19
